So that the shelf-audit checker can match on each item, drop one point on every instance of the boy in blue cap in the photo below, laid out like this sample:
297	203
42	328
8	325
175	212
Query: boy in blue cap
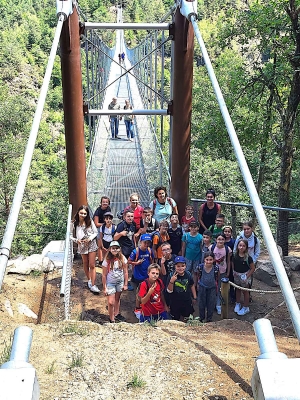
181	291
140	259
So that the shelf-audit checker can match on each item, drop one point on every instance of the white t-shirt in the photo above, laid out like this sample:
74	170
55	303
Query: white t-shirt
115	274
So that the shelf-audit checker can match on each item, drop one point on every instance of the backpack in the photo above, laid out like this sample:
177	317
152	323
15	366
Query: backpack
169	200
138	297
138	253
226	249
160	242
113	229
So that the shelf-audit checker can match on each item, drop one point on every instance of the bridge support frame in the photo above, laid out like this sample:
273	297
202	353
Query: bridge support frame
73	110
182	110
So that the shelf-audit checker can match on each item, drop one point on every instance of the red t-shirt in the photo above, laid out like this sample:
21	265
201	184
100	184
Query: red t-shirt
137	215
154	305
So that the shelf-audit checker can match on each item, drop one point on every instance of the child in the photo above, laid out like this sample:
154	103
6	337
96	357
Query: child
206	243
147	224
167	261
181	290
114	279
222	256
217	227
243	269
208	285
140	259
191	248
160	237
253	241
107	231
152	297
229	241
99	221
188	217
175	234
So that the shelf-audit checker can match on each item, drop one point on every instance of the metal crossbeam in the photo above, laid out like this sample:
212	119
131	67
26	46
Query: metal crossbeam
133	26
128	112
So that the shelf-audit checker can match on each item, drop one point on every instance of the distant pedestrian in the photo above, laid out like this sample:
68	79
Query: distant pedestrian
128	119
114	119
123	57
120	58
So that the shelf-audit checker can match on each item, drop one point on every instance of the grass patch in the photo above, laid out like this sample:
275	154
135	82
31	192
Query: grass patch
36	273
51	368
5	354
73	329
191	321
136	382
76	361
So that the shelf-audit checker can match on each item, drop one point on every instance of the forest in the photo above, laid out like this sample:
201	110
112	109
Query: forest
254	47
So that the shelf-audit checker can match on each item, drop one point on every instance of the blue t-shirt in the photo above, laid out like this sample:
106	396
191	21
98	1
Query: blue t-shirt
140	271
193	246
163	211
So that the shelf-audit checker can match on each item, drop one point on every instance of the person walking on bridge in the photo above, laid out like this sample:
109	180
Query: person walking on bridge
114	119
128	119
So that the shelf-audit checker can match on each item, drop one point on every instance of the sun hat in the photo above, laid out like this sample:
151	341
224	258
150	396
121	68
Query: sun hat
114	243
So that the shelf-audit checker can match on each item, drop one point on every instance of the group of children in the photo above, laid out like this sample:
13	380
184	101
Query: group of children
173	266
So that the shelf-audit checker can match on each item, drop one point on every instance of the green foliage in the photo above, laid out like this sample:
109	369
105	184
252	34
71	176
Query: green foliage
5	353
136	382
193	321
51	368
77	361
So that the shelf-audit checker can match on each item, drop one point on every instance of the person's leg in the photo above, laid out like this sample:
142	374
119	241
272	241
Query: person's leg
131	129
238	295
112	127
85	262
127	128
91	266
189	265
111	306
210	303
246	298
117	126
202	302
117	303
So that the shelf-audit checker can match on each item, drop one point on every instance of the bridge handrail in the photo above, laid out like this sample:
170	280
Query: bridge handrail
18	196
65	287
283	280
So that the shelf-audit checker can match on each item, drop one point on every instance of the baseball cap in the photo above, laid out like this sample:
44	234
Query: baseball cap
146	237
193	223
108	214
114	243
179	259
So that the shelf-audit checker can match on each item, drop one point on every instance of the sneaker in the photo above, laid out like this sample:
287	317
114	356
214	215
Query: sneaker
129	287
120	318
111	322
138	312
89	284
219	308
237	307
94	289
243	311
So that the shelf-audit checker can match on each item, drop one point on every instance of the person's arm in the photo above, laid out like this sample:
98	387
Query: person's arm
117	235
200	216
162	296
193	289
96	221
148	294
125	287
252	269
170	286
183	246
104	275
154	247
228	262
174	207
101	241
256	251
95	232
162	266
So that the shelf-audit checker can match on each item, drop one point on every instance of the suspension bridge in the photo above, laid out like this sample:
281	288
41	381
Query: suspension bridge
119	167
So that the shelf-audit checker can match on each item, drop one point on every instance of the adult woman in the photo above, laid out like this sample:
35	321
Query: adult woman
136	209
84	232
163	206
128	119
208	211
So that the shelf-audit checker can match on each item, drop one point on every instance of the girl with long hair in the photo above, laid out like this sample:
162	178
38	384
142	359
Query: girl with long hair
84	233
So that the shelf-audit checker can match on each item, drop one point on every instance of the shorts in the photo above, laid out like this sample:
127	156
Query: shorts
86	248
238	281
105	244
158	317
181	310
113	288
192	265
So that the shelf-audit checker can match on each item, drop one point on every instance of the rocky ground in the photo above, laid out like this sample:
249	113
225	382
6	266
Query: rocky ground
93	359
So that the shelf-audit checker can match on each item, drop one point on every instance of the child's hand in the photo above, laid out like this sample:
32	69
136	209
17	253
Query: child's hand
152	288
124	233
125	287
163	260
174	277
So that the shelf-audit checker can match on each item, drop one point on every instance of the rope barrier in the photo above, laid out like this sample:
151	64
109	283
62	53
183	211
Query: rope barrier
260	291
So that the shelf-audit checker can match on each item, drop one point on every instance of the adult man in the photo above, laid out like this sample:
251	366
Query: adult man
114	119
